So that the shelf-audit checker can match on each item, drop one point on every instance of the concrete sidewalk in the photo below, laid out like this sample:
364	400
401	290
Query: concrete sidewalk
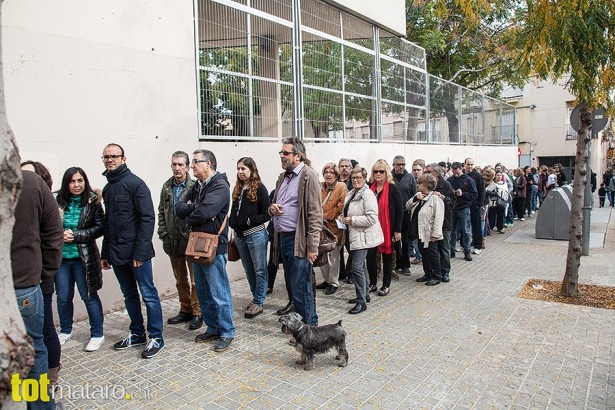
468	344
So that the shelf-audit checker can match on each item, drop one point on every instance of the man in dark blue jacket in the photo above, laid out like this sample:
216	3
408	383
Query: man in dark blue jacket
205	208
466	193
127	246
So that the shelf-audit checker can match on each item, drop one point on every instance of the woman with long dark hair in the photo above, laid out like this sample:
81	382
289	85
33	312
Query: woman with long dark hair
83	219
248	217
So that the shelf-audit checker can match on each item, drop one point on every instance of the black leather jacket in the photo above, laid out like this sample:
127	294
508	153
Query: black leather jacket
90	227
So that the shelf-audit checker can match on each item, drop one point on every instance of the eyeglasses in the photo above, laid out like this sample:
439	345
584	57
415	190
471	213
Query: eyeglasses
196	161
400	164
379	171
112	156
285	153
344	166
329	172
356	178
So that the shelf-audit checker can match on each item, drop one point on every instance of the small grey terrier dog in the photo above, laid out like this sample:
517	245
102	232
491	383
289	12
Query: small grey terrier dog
315	339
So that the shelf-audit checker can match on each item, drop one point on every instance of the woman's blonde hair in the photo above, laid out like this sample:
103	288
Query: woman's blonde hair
387	170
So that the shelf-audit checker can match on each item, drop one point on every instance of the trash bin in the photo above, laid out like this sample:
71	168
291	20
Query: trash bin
553	220
568	190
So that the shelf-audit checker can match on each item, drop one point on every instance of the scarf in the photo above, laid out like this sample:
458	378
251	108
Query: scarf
385	218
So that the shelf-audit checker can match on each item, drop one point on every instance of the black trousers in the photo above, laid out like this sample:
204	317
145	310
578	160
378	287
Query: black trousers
477	227
495	214
403	257
431	260
519	205
372	269
50	335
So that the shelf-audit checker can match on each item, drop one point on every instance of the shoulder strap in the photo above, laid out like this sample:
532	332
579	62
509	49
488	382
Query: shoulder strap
327	197
223	224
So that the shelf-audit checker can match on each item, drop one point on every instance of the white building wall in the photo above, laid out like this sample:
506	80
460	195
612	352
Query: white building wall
81	74
385	13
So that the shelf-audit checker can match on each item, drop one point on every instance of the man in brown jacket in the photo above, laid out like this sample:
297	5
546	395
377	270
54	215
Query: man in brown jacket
36	251
296	212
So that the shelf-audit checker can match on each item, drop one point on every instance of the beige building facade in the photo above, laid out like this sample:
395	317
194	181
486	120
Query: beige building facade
545	134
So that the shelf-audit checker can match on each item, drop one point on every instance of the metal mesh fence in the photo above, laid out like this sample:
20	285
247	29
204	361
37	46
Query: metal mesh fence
269	69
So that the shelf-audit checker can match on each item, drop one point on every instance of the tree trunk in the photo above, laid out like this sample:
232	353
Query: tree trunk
16	352
570	285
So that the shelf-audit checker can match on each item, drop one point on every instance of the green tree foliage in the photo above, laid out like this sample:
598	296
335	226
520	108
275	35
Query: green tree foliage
576	39
467	41
470	42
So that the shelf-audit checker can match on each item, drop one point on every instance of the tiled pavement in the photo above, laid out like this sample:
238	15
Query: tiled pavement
468	344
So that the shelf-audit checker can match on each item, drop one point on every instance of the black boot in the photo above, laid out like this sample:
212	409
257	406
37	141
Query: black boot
287	309
358	308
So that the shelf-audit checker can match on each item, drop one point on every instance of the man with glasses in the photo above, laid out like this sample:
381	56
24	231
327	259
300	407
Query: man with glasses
172	231
345	166
406	183
205	209
127	247
296	212
477	205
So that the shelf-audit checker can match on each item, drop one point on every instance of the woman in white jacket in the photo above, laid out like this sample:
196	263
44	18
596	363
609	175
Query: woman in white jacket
427	217
364	232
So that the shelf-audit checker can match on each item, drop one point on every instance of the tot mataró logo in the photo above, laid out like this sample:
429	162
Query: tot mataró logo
30	390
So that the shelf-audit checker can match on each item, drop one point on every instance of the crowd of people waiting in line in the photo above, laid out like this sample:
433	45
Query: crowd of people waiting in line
384	217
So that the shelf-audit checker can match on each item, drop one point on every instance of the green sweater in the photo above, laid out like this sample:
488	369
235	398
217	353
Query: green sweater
72	213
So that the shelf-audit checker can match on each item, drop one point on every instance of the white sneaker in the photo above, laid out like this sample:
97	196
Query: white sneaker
64	337
477	251
94	344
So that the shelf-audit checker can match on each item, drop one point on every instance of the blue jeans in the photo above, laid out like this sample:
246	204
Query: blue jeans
299	271
69	274
31	305
461	228
534	198
253	252
214	292
417	249
510	213
132	281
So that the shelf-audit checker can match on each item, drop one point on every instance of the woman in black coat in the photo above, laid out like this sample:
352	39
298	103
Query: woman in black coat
83	219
